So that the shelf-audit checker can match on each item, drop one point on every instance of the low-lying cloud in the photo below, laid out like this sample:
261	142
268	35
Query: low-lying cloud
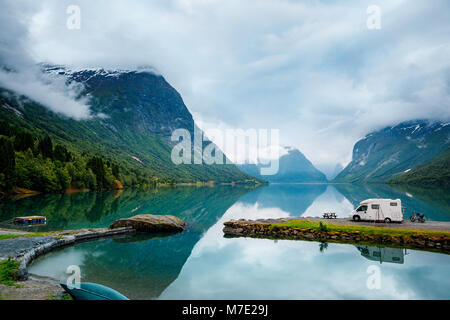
309	68
54	94
20	73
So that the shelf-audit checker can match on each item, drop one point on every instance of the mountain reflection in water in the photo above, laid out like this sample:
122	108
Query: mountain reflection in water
201	263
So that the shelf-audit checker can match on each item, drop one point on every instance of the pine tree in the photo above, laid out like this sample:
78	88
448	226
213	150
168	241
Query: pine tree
23	141
46	147
5	128
61	154
7	162
98	168
115	170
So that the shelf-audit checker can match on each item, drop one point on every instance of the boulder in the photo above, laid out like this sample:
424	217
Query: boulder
151	223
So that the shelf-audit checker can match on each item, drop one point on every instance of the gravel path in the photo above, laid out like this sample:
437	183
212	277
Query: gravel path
25	249
406	224
16	247
9	231
32	289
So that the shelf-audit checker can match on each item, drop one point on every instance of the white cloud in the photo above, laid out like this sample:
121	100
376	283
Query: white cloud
246	268
54	94
23	75
310	68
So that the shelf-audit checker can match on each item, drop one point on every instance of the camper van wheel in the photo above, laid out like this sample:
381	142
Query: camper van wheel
356	218
387	220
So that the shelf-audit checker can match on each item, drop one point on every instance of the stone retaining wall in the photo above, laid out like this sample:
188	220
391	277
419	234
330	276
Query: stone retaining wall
268	231
64	240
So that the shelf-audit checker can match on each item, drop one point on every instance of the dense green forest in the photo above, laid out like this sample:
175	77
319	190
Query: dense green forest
395	152
435	172
136	139
34	162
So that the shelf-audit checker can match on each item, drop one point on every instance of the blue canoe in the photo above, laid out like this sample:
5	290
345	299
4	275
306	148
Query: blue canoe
92	291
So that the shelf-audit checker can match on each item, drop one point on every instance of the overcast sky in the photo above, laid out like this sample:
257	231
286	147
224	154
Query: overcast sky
309	68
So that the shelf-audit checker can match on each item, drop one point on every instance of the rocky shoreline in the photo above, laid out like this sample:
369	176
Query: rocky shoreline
43	245
292	229
25	249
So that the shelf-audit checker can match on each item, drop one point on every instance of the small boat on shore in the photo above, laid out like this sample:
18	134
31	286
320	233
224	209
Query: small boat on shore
29	221
92	291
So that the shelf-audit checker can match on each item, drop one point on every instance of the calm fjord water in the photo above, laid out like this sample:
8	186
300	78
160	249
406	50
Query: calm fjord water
201	264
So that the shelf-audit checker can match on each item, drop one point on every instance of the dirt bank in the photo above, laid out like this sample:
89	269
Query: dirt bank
32	289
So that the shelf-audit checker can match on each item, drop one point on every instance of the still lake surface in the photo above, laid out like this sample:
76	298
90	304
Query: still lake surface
201	264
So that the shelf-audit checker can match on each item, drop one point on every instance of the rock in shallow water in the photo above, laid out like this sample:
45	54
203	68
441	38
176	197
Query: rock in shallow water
151	223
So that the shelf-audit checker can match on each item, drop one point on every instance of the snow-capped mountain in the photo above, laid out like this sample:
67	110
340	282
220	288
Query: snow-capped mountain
396	150
134	115
294	167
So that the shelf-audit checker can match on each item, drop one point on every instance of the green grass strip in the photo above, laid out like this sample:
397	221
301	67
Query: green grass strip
8	272
30	235
374	231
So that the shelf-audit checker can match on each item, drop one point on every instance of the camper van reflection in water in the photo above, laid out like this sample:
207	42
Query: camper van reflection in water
384	254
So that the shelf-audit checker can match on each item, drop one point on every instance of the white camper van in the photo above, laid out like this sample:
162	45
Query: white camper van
382	210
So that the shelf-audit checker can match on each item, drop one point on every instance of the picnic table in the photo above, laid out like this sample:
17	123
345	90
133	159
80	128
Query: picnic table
330	215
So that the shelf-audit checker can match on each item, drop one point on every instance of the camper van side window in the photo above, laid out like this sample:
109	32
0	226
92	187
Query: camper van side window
362	208
393	204
375	206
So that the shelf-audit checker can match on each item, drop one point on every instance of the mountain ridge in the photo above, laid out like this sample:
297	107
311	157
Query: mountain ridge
294	167
139	111
390	152
433	172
